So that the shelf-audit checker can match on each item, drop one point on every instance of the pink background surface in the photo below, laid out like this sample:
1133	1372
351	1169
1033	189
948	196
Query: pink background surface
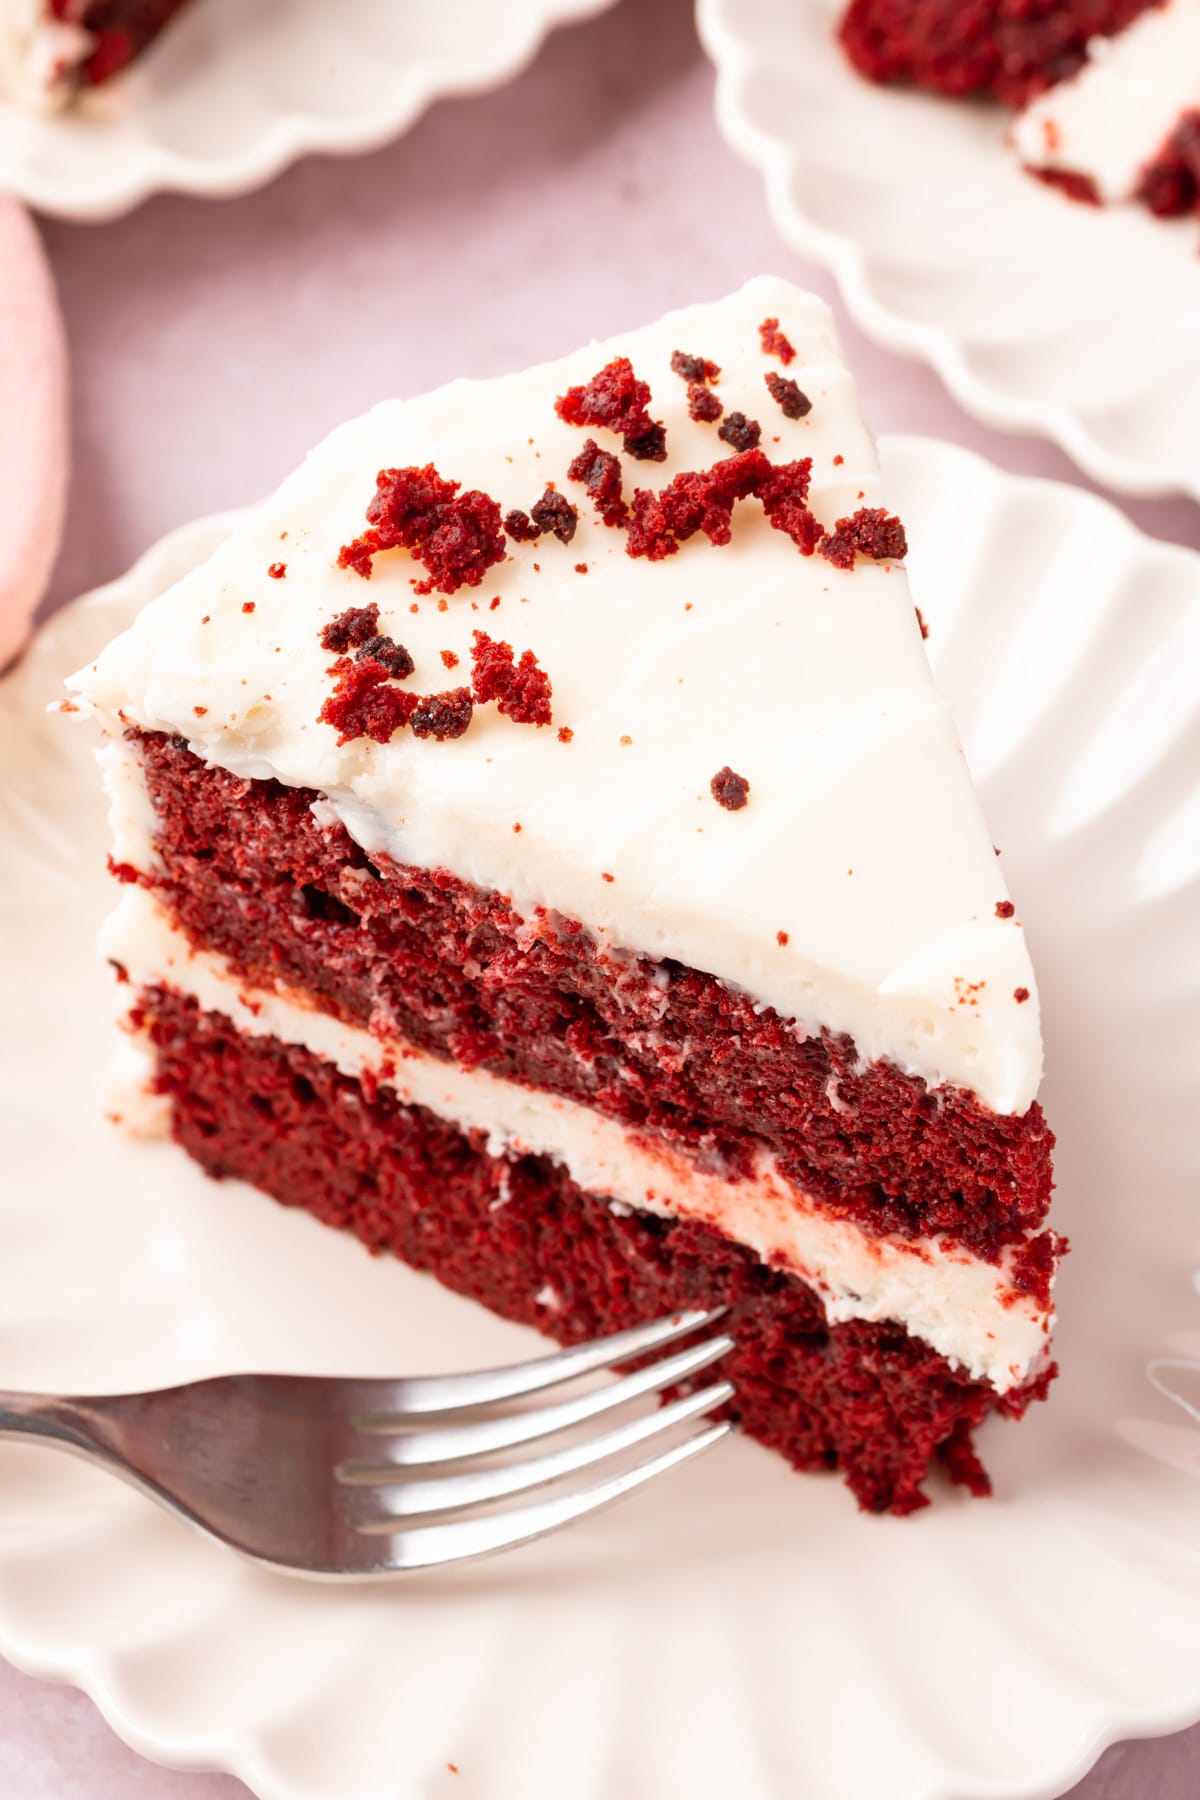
212	344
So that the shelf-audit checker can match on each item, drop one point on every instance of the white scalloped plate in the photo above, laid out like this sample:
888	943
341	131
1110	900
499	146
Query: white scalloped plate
1038	314
232	93
736	1629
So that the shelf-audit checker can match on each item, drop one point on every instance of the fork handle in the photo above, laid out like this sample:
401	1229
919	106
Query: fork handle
51	1417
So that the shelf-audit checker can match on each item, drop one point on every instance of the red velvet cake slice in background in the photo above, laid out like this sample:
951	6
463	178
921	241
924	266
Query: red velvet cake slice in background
51	49
545	854
1011	49
1127	125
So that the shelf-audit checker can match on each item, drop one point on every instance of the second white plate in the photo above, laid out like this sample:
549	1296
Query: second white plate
736	1629
1039	314
232	93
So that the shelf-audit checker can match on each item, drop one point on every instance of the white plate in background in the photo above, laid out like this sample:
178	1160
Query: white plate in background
1039	314
231	93
736	1629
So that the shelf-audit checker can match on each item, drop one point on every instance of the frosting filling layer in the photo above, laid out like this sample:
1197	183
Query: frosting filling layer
960	1305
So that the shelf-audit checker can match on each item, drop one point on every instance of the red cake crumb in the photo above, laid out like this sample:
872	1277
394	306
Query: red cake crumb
521	690
781	938
838	461
774	343
792	401
277	570
442	715
1005	909
694	369
784	493
729	790
350	629
449	659
521	527
393	656
960	1460
616	401
199	711
565	734
1021	995
364	704
554	513
244	868
457	537
1170	182
921	622
248	606
740	432
1031	1270
604	876
1012	49
703	405
600	473
695	500
869	532
1067	181
863	1397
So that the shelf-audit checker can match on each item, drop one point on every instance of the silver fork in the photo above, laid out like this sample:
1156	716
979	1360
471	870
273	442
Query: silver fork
315	1473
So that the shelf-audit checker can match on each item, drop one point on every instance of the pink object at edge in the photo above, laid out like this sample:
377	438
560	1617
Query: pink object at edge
34	439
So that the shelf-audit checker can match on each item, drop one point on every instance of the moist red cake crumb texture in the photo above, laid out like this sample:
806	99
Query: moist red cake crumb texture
774	342
121	29
521	689
869	532
793	403
730	790
457	537
1011	49
518	1236
617	401
1170	183
740	432
600	473
664	1049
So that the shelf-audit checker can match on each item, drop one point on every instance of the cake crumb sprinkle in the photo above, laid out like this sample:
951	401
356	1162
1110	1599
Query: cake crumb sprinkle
729	789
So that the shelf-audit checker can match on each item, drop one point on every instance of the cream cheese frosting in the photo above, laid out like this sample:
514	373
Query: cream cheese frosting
858	888
965	1308
1108	121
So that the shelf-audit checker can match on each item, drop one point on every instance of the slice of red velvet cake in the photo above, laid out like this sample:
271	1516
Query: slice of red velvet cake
1110	89
1011	49
546	854
52	49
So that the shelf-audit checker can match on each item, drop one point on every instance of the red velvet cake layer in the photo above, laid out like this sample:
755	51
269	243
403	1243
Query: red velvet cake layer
453	970
1012	49
121	29
867	1399
1171	182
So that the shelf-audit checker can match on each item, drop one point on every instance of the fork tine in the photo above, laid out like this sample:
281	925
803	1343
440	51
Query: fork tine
367	1509
485	1387
452	1443
429	1545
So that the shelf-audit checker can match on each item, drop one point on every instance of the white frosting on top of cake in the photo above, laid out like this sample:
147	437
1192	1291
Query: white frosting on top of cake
861	845
1116	114
964	1307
